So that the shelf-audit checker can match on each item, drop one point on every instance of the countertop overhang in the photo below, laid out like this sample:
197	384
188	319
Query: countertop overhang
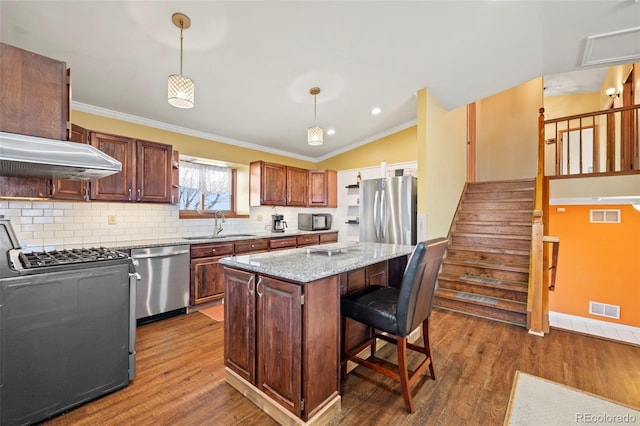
309	264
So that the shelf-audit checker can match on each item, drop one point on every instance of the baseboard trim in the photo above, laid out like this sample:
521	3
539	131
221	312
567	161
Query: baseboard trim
622	328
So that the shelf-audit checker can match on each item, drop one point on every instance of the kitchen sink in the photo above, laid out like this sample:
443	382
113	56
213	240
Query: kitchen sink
217	237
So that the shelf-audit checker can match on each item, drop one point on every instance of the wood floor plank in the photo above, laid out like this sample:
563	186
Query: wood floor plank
180	378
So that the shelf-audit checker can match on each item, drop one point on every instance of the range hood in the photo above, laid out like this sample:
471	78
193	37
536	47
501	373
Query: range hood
30	156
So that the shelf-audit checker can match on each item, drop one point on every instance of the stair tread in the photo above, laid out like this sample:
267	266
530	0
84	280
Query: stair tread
463	247
495	222
511	285
506	236
488	264
494	302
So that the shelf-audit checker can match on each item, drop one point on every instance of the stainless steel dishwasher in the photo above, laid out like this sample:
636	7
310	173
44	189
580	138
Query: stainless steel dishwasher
163	288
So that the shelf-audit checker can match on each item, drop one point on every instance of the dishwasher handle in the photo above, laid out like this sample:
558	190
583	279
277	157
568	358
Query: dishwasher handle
149	256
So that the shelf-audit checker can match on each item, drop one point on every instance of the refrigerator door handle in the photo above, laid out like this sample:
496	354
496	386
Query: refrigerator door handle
376	223
383	219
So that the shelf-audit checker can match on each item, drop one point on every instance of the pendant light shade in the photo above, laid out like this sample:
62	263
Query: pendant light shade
314	134
180	89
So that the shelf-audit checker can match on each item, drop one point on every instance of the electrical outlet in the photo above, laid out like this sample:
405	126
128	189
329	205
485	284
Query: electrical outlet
259	218
112	219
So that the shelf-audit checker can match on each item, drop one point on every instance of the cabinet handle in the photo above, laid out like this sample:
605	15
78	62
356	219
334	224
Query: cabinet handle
253	245
258	287
252	281
138	194
213	250
129	194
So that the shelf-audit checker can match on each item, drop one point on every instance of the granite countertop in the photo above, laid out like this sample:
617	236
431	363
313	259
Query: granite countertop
123	245
315	262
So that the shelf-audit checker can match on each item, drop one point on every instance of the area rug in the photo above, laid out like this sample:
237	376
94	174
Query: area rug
214	312
537	401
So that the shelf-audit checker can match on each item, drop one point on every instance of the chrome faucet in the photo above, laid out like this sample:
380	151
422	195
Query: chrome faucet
217	229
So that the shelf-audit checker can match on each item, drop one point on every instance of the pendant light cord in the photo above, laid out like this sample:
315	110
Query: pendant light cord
181	28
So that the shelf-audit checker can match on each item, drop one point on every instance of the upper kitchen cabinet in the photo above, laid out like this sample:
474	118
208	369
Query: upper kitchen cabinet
273	184
63	189
35	94
323	188
146	170
35	102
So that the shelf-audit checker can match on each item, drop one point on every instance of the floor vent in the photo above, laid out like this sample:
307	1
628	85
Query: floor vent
605	216
604	310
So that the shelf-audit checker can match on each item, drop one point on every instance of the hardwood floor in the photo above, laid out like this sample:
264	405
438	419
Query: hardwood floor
180	377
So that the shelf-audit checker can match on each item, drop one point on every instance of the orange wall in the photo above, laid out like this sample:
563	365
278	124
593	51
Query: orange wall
597	262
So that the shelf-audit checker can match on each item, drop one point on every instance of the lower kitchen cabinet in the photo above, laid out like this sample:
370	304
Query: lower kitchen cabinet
207	283
283	338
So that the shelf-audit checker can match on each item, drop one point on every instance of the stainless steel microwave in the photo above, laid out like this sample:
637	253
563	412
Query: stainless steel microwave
314	221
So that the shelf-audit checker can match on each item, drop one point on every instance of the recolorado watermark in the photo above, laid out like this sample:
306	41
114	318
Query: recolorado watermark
604	418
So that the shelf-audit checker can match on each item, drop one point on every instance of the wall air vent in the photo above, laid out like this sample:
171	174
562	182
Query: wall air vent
604	310
605	216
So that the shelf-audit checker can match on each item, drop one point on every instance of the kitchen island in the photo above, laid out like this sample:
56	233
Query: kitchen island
282	323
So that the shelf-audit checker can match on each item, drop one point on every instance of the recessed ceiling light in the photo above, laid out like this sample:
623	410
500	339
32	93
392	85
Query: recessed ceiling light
376	110
331	132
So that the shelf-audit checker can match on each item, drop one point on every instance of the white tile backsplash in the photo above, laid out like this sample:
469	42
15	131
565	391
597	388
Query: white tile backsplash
48	225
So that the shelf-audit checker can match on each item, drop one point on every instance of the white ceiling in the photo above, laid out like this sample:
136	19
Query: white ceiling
254	62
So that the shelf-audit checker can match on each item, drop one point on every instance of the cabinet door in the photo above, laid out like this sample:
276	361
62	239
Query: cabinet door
119	186
239	323
356	331
63	189
273	184
297	180
14	186
207	280
308	240
279	342
329	237
153	172
323	188
35	94
376	274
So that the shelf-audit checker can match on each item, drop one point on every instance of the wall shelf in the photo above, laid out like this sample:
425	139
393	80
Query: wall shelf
355	185
352	221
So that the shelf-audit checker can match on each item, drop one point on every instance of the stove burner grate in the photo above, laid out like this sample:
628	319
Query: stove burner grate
63	257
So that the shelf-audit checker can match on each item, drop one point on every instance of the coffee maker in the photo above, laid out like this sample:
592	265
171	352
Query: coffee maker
277	223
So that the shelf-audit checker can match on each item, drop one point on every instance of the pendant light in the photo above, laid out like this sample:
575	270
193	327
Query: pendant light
181	89
314	134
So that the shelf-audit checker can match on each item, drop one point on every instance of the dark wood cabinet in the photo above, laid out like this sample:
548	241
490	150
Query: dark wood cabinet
35	94
329	237
283	338
297	187
308	240
64	189
272	184
282	243
239	323
207	278
323	188
251	246
35	102
146	170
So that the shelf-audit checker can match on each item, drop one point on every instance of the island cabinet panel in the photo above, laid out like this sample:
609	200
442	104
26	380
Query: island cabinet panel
207	275
376	274
279	342
283	338
239	323
356	331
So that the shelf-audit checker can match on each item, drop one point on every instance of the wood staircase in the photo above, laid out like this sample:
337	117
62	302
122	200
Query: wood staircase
486	269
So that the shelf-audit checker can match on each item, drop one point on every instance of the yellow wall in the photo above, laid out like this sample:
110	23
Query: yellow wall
614	78
398	147
444	164
507	133
567	105
187	145
597	262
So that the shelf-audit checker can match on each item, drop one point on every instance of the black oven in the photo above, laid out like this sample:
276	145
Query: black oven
68	327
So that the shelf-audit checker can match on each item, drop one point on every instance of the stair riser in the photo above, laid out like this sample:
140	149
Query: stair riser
497	205
493	229
497	186
483	290
454	253
499	195
519	318
494	216
477	271
501	243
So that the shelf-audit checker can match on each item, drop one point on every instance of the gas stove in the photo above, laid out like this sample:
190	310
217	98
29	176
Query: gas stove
62	257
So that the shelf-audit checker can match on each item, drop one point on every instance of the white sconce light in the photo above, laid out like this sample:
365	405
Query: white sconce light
612	93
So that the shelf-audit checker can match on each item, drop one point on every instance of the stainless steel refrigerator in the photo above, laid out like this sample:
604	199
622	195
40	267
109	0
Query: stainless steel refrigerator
388	212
